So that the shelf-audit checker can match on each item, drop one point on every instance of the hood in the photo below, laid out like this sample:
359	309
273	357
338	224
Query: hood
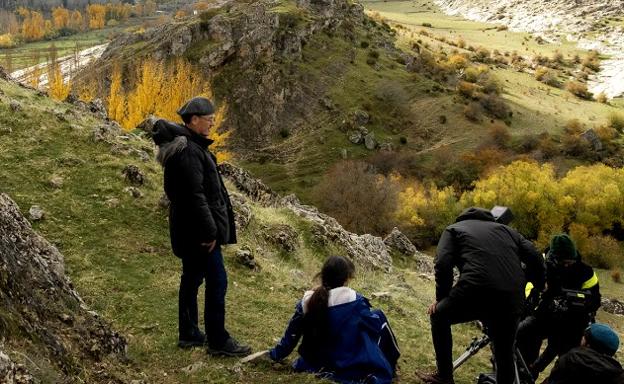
598	362
475	213
337	296
172	138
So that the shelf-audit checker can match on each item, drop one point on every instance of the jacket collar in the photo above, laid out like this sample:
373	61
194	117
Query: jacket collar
202	141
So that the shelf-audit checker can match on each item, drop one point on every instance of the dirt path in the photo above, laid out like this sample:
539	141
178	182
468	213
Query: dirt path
68	64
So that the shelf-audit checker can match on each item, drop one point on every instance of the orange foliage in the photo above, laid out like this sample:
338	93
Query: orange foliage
97	16
60	17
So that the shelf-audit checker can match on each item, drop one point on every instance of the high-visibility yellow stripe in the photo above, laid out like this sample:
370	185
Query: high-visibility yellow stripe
591	282
527	289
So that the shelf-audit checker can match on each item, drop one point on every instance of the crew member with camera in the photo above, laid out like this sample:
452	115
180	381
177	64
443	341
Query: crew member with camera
566	306
490	257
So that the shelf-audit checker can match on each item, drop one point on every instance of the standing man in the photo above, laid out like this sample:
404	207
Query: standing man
200	221
489	256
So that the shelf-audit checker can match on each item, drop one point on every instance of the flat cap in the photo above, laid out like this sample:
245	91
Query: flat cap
196	106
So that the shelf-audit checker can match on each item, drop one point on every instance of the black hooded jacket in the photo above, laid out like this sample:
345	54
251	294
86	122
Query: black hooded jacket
583	365
200	210
490	258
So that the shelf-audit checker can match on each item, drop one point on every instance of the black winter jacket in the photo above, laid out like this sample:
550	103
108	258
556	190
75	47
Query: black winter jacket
200	209
574	277
584	365
490	258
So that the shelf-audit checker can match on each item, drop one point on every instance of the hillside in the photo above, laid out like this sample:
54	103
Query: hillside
303	84
112	231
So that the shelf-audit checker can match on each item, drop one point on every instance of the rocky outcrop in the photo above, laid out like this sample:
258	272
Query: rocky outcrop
613	306
243	47
366	250
42	316
397	241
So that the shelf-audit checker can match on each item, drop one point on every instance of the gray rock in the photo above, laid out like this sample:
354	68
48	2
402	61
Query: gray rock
5	130
245	258
397	241
112	202
106	132
383	296
355	137
242	211
387	147
250	186
15	106
163	202
56	182
592	137
361	118
133	174
4	75
147	125
97	107
612	306
13	373
343	154
282	235
134	192
36	213
37	296
327	103
369	141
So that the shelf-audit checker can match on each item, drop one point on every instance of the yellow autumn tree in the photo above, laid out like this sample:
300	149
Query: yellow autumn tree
96	14
116	99
60	17
57	86
423	211
76	21
35	77
33	26
160	90
144	98
598	193
534	195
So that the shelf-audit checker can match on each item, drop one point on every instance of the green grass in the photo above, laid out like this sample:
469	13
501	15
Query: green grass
30	54
413	15
120	262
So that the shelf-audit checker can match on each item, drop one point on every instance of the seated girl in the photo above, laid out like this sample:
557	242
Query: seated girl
343	338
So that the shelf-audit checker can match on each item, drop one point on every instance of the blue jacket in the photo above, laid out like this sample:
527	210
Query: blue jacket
353	354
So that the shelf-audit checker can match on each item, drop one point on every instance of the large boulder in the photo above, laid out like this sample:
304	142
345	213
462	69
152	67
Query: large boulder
397	241
42	316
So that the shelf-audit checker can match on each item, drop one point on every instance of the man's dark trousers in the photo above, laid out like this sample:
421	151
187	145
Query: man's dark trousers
501	322
197	267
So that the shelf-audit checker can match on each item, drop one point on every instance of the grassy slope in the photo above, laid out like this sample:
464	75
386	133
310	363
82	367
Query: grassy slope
119	258
537	107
